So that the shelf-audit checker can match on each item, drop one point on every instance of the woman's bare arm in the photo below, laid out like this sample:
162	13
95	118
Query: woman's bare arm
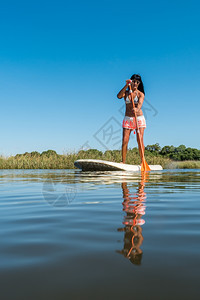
121	93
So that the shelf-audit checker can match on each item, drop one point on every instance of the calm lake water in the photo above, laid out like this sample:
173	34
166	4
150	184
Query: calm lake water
67	234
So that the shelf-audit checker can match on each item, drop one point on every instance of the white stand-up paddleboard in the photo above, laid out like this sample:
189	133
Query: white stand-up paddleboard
103	165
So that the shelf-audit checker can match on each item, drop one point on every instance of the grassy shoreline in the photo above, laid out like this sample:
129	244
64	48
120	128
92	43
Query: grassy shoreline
51	160
187	164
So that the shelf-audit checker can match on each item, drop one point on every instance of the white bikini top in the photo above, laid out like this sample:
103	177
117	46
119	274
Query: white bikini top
127	100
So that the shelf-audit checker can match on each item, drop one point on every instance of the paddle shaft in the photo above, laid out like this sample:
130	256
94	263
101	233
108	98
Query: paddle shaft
137	127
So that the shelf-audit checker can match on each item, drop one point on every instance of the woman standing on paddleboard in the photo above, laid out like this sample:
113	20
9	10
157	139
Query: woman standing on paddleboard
134	85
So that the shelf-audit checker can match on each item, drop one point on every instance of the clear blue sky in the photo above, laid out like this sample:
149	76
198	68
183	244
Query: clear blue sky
63	62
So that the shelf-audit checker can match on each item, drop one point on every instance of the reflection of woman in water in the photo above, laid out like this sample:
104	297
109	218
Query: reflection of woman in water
134	207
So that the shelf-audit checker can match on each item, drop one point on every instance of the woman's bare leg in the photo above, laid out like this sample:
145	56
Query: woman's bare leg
126	135
142	141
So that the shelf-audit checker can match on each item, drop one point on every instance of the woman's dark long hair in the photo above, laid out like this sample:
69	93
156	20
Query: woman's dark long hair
141	86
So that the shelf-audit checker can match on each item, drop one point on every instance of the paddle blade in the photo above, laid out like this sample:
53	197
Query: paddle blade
144	166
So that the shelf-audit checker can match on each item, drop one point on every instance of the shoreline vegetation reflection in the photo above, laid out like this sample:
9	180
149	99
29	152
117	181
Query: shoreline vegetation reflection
59	224
63	188
169	157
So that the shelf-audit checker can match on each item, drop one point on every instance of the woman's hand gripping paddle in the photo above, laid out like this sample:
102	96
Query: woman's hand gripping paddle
144	165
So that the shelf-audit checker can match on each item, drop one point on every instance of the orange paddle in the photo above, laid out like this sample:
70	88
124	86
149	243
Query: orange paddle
144	165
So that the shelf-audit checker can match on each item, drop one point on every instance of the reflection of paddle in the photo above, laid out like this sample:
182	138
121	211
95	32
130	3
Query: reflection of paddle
144	165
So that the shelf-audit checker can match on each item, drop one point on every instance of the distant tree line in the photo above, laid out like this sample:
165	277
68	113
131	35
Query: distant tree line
35	154
179	153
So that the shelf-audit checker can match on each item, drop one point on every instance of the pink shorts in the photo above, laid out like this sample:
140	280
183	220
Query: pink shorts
129	122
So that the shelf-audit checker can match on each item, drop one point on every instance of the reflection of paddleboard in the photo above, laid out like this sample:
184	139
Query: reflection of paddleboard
103	165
